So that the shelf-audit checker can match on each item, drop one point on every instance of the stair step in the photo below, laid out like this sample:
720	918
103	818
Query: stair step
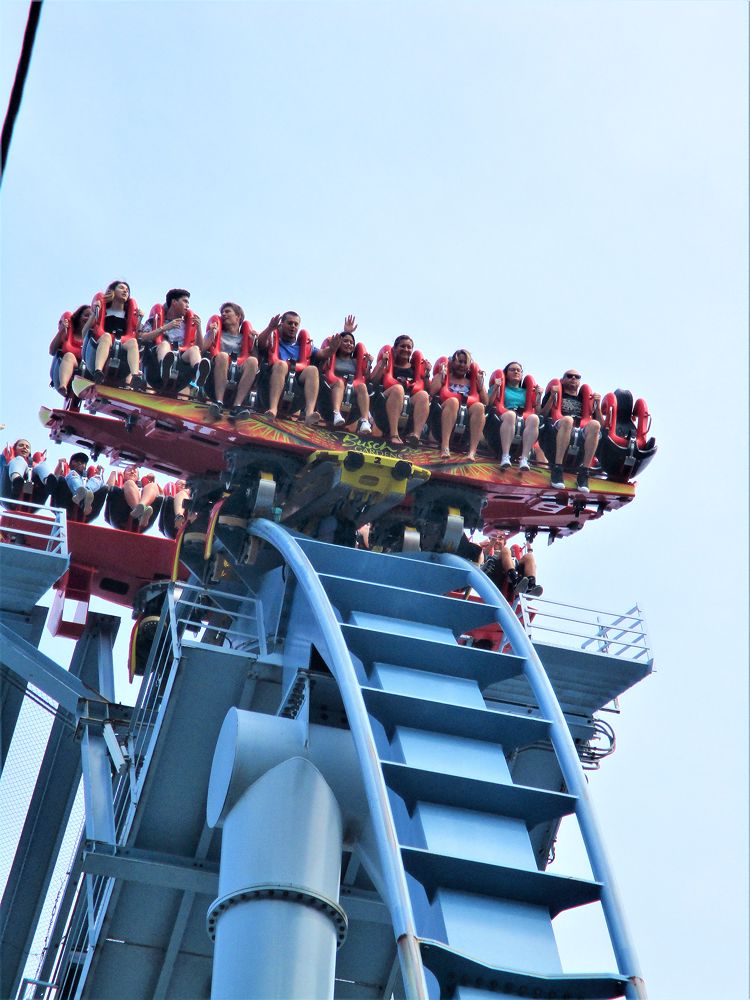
532	805
440	871
482	665
452	970
503	728
416	574
408	605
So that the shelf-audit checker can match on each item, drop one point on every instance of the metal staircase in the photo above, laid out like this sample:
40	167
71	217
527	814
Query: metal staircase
442	880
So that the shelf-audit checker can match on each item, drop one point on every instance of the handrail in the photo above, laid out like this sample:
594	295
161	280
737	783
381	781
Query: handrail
29	513
626	631
342	668
573	775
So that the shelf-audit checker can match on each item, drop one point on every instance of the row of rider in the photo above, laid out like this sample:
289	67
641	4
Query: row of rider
394	375
77	484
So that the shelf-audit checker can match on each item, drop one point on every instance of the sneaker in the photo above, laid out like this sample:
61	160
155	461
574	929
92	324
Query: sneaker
532	588
138	511
80	495
215	409
364	427
505	462
522	584
201	373
582	480
98	376
338	420
145	517
138	382
240	413
556	477
523	465
88	502
166	365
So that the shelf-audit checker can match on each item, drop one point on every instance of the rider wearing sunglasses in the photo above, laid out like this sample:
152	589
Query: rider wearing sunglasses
570	405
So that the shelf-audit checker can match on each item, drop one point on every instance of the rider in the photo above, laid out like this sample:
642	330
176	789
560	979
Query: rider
454	374
514	399
396	365
82	486
229	344
67	344
172	332
288	326
345	366
567	400
511	574
115	322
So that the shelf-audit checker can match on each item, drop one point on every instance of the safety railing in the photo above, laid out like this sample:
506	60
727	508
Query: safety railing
558	624
28	524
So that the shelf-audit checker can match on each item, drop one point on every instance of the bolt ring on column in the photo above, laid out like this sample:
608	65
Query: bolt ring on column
287	893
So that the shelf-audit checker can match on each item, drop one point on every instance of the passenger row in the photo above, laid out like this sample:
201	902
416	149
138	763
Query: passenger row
237	370
131	501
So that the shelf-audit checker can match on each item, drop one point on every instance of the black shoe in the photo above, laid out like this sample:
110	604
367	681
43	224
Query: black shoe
582	480
521	585
166	366
98	376
240	413
201	372
557	480
532	587
215	409
138	382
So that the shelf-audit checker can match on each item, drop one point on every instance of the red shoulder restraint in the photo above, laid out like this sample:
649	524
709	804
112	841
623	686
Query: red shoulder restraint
641	420
305	349
131	316
472	373
528	384
586	401
247	343
418	367
72	343
329	368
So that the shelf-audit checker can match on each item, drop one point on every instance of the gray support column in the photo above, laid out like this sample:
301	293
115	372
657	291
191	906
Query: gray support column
97	788
277	922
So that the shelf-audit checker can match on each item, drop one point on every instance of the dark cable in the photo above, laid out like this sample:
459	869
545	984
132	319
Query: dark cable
35	10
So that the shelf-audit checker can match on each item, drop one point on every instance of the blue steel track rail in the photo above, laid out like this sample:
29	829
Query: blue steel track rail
399	902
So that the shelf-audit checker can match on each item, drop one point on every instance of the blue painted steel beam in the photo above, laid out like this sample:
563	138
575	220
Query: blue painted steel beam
46	819
34	667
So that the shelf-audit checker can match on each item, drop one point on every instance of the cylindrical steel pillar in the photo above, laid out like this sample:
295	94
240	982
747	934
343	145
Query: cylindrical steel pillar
277	922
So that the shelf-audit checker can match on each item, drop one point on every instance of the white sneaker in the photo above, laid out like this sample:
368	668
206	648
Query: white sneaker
80	495
338	420
364	428
523	465
505	462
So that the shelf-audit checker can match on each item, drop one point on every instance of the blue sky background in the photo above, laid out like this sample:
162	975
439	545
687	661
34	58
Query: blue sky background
560	183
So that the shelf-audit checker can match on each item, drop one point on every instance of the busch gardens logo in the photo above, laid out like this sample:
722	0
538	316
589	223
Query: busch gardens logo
356	443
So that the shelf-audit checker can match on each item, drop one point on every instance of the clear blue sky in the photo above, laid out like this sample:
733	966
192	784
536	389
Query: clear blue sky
561	183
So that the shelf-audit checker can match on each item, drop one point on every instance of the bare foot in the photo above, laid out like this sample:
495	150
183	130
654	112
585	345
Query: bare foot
395	440
445	453
313	419
471	457
271	414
